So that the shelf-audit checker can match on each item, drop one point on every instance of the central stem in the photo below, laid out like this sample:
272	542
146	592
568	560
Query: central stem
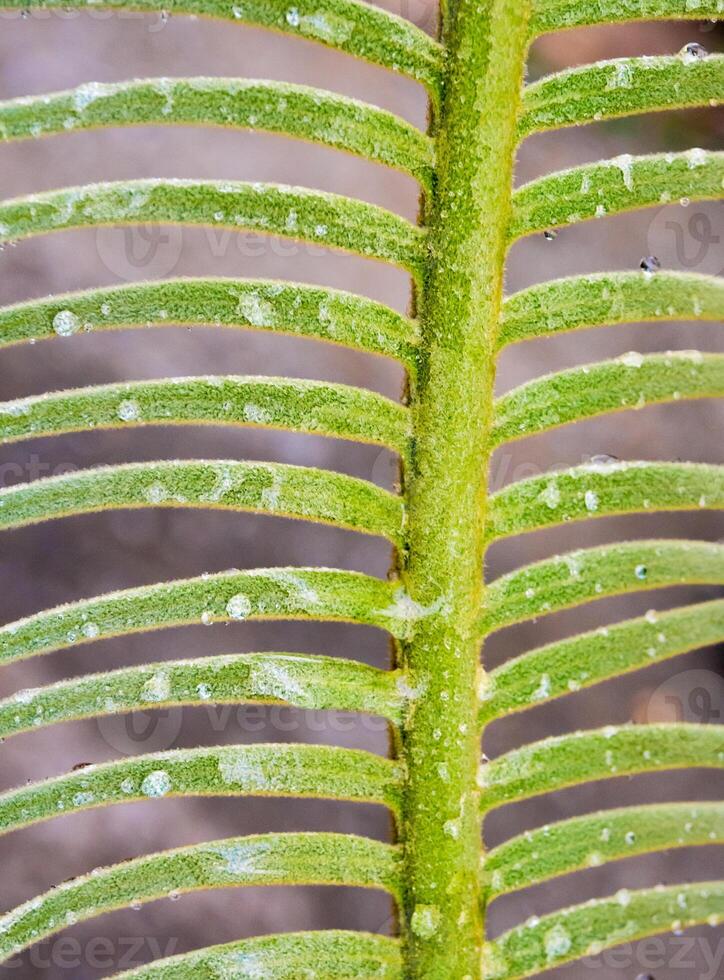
459	309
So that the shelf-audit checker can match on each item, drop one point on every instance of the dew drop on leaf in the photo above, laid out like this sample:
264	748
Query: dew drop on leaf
693	51
650	264
66	323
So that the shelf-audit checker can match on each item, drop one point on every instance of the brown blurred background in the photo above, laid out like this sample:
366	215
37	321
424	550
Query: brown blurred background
70	559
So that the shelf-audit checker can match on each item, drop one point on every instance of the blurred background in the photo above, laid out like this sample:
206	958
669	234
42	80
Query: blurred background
74	558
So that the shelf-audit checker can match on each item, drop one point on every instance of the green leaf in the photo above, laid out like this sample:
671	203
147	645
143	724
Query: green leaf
621	87
609	298
267	593
266	859
555	15
630	381
589	658
297	405
264	488
336	955
258	304
599	838
277	107
320	771
347	25
602	489
272	209
588	929
593	573
625	183
606	753
305	681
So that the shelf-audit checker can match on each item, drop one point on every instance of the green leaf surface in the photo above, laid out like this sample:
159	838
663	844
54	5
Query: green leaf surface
336	955
329	220
358	28
303	680
624	183
263	488
285	770
580	661
605	753
277	107
298	405
621	87
556	15
588	929
257	594
257	304
631	381
607	298
595	839
265	859
593	573
603	489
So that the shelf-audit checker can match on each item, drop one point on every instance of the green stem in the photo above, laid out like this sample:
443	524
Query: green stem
447	484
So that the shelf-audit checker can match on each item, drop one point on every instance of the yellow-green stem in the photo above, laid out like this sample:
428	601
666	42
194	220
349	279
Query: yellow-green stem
459	310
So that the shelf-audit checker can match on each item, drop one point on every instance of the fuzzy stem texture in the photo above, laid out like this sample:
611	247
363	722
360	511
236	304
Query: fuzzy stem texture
452	403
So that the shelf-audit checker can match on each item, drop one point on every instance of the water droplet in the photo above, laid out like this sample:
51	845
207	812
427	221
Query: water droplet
425	920
557	942
293	18
603	459
156	784
128	410
693	51
239	606
632	359
550	235
66	323
641	571
650	264
591	500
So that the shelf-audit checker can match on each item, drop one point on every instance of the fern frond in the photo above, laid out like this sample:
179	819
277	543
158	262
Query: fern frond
629	382
609	298
589	658
581	757
266	859
336	410
337	955
596	839
271	488
257	304
600	924
276	107
624	183
267	593
603	489
301	680
582	576
621	87
273	209
352	26
284	770
436	605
